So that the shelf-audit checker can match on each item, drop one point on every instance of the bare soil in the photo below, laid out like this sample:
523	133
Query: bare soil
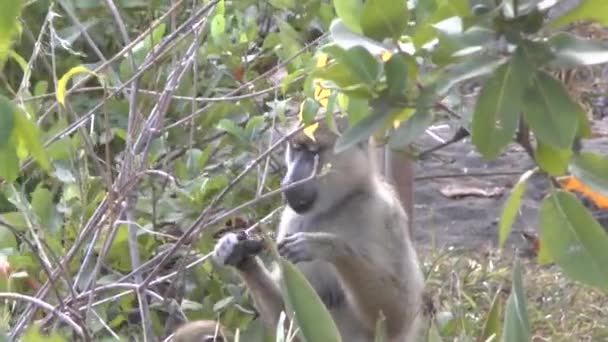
471	222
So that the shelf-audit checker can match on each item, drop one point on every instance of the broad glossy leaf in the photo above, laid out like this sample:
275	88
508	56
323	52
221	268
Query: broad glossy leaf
358	60
511	209
595	10
345	38
7	120
574	239
471	67
349	11
29	135
550	112
516	327
571	51
591	169
492	325
365	127
551	160
395	70
425	32
498	106
302	301
384	18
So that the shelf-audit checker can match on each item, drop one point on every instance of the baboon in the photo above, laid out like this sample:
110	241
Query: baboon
347	232
202	331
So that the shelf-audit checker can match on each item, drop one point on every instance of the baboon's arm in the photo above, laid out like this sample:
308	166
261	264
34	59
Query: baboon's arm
264	291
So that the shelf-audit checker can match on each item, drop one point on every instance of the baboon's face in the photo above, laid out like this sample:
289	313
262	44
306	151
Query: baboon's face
338	174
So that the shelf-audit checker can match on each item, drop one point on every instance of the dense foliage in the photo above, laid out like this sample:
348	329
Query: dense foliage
128	128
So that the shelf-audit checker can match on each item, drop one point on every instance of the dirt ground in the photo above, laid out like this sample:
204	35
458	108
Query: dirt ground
472	222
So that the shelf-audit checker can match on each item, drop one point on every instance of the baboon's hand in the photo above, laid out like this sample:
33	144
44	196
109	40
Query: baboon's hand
235	248
308	246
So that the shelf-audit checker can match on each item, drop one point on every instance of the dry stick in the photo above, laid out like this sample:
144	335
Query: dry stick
118	55
37	302
46	270
104	204
131	201
470	174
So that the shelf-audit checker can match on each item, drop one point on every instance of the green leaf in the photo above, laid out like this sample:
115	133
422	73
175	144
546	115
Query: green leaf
29	135
433	333
424	31
492	325
42	204
471	67
551	160
587	10
9	165
350	13
416	124
7	238
516	324
311	315
498	106
550	112
574	239
9	25
384	18
230	127
591	169
571	51
395	70
365	127
7	120
363	66
511	209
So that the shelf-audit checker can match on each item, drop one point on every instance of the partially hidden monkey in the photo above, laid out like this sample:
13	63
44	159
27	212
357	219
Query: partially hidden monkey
348	233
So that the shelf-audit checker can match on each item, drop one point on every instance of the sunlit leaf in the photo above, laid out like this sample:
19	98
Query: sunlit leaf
498	106
592	169
314	321
62	83
349	11
551	160
511	209
218	22
550	112
574	239
516	327
358	60
384	18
